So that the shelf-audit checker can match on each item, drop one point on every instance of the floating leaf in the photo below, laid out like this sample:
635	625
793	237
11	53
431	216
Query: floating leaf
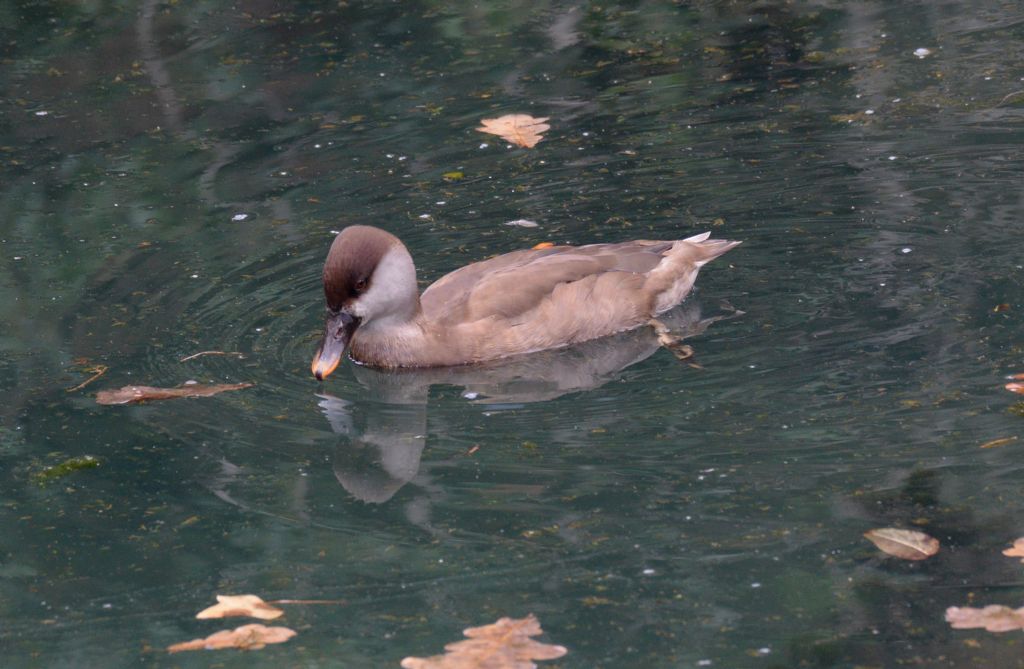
246	637
133	394
519	129
995	443
993	618
505	644
905	544
240	605
542	245
1017	550
1015	387
65	468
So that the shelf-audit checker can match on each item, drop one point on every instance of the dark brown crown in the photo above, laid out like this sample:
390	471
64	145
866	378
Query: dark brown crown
353	257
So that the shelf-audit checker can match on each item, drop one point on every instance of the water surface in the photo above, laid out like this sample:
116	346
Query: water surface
172	176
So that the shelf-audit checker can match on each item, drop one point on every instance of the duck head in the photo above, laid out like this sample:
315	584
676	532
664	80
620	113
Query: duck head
369	283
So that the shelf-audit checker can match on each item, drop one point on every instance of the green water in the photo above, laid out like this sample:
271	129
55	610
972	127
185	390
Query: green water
172	174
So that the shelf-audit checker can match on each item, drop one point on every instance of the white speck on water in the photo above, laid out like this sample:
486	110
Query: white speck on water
108	605
318	146
484	145
389	155
470	395
259	329
42	113
704	663
195	276
648	572
882	284
523	223
334	232
897	99
869	112
892	157
906	249
922	52
239	217
755	584
424	217
764	651
441	203
403	158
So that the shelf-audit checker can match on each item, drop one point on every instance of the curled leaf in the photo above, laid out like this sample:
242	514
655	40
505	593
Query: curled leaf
519	129
134	394
993	618
905	544
995	443
240	605
246	637
1017	550
505	644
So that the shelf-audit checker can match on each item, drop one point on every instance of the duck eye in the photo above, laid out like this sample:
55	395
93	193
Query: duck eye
360	285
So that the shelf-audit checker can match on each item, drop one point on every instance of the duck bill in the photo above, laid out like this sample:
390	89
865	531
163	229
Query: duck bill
337	335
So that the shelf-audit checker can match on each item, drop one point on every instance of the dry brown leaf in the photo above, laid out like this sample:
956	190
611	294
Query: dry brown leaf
246	637
1017	550
519	129
133	394
1002	441
505	644
240	605
993	618
905	544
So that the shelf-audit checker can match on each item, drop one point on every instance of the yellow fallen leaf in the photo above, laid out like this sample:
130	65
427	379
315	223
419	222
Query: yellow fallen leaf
134	394
505	644
246	637
905	544
995	443
1017	550
543	245
240	605
519	129
993	618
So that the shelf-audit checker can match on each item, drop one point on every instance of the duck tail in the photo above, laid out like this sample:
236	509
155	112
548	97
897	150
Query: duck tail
705	250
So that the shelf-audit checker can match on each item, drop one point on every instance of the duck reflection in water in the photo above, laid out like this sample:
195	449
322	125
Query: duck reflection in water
384	432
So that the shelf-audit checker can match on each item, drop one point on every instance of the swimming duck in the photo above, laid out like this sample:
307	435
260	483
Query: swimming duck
519	302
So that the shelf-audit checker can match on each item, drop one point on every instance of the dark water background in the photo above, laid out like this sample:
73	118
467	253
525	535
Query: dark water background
171	175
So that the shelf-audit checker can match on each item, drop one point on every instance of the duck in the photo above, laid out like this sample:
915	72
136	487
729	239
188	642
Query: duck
516	303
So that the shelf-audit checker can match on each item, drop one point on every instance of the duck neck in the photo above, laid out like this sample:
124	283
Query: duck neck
392	342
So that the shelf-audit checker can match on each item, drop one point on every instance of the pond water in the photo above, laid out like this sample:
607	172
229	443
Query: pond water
172	174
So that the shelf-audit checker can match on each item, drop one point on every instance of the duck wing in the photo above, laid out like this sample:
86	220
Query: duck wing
515	283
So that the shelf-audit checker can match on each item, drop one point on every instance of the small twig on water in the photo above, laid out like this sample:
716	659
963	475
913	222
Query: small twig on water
308	601
202	353
1010	95
98	371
